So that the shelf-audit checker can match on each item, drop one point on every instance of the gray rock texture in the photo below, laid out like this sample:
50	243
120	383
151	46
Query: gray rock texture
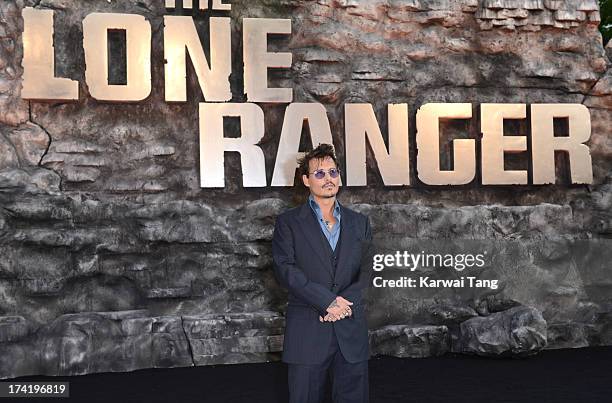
235	338
407	341
112	258
82	343
516	331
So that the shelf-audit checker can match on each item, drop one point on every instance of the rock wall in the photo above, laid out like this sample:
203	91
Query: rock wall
112	258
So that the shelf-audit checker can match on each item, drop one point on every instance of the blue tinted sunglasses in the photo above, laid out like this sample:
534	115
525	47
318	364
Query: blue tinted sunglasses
320	173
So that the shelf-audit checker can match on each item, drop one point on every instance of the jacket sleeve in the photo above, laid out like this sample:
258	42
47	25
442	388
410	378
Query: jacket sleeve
291	276
353	292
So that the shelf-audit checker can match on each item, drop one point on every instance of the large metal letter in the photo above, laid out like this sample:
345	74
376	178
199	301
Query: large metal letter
544	143
218	5
495	144
213	144
138	45
257	59
394	165
428	146
180	38
320	132
39	81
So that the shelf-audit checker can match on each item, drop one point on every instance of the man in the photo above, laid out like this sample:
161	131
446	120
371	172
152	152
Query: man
320	252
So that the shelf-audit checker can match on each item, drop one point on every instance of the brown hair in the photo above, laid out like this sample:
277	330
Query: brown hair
321	152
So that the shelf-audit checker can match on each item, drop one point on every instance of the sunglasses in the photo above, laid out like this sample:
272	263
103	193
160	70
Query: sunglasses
320	173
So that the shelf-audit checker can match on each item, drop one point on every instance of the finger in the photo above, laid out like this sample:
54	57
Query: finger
320	319
346	301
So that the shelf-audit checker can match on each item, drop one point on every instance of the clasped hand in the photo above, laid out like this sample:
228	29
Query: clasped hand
339	309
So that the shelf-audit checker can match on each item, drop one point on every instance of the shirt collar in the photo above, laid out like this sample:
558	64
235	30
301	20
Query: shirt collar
317	209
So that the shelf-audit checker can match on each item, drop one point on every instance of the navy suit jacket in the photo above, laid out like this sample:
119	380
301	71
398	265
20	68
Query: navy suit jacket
303	265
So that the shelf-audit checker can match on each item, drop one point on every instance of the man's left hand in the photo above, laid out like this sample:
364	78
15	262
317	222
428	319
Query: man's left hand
331	318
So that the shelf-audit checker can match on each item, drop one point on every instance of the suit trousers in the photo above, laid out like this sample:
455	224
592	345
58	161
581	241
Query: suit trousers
349	380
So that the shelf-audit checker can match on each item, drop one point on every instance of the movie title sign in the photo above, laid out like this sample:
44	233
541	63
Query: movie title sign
181	41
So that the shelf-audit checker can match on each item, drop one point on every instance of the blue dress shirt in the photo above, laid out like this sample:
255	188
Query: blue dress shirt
333	234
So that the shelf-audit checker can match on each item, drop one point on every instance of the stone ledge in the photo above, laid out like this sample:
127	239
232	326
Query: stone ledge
77	344
517	331
235	338
410	341
532	15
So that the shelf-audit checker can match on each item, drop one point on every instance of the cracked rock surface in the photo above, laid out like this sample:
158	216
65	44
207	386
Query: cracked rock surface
112	258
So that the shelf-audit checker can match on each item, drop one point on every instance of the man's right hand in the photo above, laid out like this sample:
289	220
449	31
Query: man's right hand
339	309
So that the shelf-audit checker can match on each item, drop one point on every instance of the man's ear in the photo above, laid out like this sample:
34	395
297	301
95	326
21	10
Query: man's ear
305	181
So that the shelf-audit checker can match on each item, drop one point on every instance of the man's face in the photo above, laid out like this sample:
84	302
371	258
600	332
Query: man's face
325	187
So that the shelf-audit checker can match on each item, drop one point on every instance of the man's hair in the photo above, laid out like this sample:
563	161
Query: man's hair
321	152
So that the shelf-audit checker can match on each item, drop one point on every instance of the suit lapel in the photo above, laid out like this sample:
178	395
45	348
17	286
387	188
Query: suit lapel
347	238
315	237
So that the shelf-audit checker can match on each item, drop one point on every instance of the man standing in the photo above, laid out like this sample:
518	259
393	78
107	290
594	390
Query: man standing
320	252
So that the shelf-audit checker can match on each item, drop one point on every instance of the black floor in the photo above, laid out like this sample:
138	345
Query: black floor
576	375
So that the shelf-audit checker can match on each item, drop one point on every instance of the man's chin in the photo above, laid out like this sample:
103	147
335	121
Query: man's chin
329	193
